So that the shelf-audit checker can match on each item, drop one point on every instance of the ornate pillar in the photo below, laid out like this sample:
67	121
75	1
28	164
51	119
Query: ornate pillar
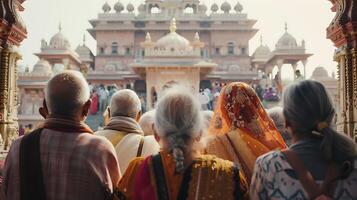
342	32
12	33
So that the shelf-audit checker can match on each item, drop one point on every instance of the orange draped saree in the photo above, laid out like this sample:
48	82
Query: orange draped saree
241	130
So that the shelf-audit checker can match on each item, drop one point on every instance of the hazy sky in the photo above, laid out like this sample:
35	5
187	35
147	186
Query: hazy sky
307	19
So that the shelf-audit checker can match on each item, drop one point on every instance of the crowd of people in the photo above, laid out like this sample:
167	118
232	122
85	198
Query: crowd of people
181	151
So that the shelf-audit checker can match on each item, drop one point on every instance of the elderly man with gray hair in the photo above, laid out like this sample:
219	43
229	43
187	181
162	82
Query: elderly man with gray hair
276	114
124	131
63	159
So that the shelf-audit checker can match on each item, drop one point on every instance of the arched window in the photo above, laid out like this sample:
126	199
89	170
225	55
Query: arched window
114	48
188	10
230	48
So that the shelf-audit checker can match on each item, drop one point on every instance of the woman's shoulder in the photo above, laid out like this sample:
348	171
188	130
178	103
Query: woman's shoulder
273	161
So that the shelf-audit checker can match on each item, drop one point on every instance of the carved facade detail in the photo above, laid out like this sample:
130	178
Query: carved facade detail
342	32
12	33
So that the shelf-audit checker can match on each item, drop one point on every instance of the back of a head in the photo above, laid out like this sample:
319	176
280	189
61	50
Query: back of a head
309	111
147	121
276	114
125	103
66	93
178	121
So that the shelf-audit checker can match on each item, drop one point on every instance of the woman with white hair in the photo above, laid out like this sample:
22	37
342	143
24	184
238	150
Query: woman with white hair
179	171
320	164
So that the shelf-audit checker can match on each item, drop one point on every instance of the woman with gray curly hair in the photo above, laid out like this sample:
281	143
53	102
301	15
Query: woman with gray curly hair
179	171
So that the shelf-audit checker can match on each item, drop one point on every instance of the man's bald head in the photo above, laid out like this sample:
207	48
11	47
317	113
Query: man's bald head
125	103
67	93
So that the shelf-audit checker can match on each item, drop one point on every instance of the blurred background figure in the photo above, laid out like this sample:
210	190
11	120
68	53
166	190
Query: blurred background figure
147	122
276	114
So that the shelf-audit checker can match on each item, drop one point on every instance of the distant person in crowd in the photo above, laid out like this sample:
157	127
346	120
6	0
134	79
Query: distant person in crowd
278	83
271	95
204	99
63	159
246	131
298	76
147	122
320	164
207	117
21	131
208	92
259	90
95	102
28	128
276	114
143	104
179	171
112	89
124	131
103	98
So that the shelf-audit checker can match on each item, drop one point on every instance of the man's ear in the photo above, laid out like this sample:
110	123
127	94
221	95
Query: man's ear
86	108
138	115
109	112
43	110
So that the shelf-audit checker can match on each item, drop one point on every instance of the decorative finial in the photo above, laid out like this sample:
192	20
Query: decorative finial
286	27
173	26
261	40
60	27
84	39
197	37
148	37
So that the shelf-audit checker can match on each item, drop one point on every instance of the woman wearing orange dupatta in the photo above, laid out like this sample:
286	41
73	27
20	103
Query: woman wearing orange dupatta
241	130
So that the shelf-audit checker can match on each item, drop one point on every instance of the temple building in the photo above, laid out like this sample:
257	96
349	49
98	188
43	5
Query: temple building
171	60
137	50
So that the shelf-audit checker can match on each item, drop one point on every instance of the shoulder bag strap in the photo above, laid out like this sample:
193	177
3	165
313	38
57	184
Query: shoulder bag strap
161	187
305	177
184	188
236	178
141	145
31	177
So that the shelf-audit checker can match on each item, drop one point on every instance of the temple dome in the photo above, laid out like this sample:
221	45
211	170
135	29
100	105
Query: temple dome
238	8
226	7
59	41
173	40
142	8
118	7
214	7
286	41
263	51
320	72
83	50
202	8
42	67
130	7
106	7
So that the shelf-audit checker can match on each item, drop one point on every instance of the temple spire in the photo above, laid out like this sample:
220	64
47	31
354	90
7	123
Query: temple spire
261	40
173	26
286	27
60	27
84	39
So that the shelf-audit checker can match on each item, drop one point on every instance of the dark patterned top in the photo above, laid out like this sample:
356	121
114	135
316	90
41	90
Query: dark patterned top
275	179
